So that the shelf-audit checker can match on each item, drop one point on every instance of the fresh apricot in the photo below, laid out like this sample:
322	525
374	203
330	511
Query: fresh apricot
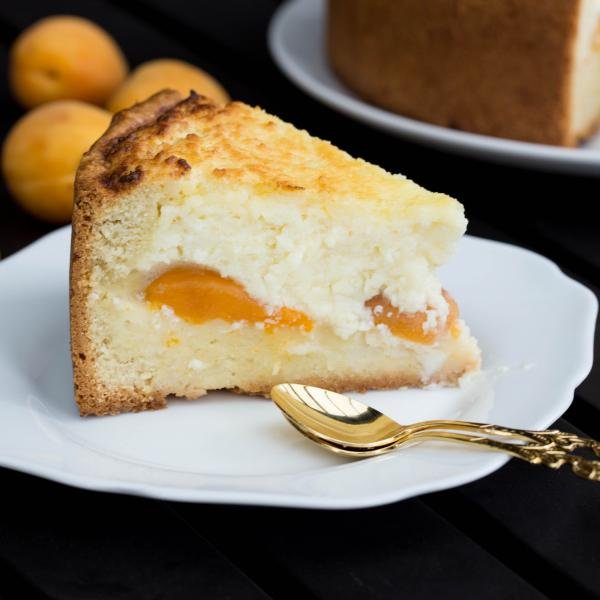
65	57
42	151
156	75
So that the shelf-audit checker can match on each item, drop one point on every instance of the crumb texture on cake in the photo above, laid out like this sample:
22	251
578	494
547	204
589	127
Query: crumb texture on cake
295	221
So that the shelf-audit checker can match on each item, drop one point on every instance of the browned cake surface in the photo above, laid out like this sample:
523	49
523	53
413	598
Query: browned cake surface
497	67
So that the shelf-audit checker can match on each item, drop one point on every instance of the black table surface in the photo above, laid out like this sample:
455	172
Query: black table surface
522	532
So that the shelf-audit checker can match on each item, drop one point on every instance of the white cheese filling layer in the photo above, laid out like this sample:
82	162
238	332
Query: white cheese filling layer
325	261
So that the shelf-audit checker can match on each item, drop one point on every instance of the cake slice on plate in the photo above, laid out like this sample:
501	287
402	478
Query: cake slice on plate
217	247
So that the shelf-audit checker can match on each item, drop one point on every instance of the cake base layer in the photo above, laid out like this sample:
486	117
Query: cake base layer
150	355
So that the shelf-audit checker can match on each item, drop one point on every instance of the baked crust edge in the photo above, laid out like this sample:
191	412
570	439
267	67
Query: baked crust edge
90	201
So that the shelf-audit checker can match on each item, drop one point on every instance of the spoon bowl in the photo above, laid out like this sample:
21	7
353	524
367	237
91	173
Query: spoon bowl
334	417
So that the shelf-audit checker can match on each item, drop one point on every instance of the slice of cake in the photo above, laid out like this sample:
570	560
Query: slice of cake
221	248
522	69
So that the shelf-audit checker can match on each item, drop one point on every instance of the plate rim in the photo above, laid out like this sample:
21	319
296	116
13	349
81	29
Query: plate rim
285	498
574	160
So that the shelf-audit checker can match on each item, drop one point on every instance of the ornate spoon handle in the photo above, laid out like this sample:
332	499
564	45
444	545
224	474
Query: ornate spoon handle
566	441
551	448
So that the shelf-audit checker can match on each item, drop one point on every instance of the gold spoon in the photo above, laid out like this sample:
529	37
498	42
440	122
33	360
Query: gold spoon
345	426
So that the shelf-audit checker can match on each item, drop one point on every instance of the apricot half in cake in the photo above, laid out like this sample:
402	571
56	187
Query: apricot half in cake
217	247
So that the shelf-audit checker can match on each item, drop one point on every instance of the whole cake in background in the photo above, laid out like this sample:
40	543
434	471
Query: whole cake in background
522	69
215	246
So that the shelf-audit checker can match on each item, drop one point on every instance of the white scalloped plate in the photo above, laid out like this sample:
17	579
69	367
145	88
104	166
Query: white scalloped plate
296	40
535	326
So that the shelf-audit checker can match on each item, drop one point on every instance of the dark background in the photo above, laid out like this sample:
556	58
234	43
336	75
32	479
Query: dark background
520	533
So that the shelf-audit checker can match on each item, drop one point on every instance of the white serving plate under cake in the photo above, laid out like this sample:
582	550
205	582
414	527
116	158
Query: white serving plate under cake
296	40
535	327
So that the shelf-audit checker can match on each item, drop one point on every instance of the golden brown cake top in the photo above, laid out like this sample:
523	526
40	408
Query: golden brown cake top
235	145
